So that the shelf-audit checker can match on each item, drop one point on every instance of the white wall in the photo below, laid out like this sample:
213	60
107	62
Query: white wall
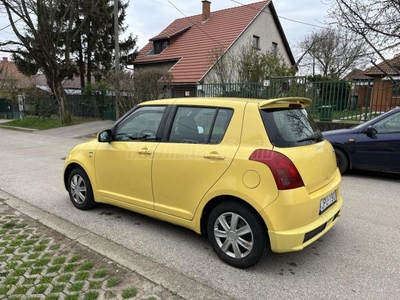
264	27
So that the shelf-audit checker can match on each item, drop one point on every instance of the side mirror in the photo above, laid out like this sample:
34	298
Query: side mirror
370	132
105	136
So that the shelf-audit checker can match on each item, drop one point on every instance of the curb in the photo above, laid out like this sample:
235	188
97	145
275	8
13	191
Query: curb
18	128
184	286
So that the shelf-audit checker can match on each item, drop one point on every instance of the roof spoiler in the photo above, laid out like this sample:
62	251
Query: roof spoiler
304	102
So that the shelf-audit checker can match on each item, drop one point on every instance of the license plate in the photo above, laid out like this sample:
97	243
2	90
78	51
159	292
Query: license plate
327	202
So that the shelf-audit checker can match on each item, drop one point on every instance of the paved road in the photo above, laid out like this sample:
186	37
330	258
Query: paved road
358	259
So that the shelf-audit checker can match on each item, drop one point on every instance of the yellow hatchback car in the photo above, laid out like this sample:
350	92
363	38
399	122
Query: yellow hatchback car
247	173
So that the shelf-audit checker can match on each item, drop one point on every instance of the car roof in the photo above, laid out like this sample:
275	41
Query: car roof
378	118
225	101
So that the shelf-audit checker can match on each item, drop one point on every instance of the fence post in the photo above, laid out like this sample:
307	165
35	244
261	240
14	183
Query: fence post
369	92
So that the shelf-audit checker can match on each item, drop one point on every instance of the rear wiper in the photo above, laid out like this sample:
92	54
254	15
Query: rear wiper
310	138
314	138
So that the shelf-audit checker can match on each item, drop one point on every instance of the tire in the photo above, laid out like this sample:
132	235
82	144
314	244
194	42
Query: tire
341	160
80	190
240	250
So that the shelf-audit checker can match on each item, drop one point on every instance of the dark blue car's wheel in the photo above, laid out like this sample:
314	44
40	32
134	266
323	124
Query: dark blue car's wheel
342	161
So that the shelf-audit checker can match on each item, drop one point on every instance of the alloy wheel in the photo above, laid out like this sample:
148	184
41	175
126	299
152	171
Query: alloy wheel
78	189
233	235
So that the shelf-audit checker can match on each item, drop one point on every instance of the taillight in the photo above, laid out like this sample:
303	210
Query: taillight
285	172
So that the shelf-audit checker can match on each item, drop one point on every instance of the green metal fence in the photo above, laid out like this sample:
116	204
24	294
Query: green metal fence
346	101
98	105
332	100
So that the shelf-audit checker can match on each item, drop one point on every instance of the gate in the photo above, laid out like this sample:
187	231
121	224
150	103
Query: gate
3	108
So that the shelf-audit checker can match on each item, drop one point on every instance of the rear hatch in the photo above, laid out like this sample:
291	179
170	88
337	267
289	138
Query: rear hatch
294	133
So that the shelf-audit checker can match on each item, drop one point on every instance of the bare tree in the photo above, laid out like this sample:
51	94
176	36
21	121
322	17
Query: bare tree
375	21
145	84
332	53
255	66
223	63
247	65
45	42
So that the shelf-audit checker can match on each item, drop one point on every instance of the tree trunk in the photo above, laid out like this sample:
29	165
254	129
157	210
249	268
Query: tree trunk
59	92
81	67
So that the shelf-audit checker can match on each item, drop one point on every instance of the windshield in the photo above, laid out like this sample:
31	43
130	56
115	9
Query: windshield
288	127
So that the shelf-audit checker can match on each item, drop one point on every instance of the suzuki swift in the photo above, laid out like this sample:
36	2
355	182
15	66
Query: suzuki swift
247	173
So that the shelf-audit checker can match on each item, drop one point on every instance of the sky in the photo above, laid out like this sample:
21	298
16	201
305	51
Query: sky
146	18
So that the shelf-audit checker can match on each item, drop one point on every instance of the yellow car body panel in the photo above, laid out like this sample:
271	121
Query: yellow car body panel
123	170
200	164
175	182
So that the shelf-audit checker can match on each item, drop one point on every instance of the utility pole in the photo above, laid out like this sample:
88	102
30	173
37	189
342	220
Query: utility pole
116	50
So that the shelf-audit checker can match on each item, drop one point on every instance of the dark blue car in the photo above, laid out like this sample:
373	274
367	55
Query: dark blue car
373	145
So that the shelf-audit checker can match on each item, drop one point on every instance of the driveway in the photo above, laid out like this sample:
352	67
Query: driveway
358	259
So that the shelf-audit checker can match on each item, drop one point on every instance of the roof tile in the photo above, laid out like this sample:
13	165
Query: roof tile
192	48
385	68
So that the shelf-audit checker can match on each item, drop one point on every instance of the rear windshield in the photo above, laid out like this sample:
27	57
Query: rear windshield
290	127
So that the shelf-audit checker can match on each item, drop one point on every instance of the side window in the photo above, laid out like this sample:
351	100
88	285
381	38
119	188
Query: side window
141	125
388	125
200	125
221	125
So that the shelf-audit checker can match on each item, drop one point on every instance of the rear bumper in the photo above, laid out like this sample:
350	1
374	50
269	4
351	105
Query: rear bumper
293	219
297	239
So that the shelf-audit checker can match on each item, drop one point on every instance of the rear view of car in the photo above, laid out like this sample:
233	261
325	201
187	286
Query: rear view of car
250	174
289	174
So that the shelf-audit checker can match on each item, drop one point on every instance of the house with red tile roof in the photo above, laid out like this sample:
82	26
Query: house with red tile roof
11	79
386	84
184	47
361	88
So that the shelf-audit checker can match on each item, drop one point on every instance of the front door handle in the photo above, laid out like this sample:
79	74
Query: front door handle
144	151
214	156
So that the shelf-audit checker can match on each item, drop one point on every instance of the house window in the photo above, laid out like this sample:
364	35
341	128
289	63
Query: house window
256	42
274	48
160	45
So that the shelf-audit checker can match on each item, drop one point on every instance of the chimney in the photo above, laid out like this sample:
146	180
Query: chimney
206	10
5	59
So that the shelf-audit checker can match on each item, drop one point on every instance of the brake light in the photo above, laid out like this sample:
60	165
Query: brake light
284	171
293	105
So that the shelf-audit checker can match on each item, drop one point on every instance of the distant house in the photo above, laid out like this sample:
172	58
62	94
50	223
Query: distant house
71	86
13	84
361	89
386	86
12	81
184	47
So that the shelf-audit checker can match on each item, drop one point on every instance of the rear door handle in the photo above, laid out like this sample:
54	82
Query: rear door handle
144	151
214	156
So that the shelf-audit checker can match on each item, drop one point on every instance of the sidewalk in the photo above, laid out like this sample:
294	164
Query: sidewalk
73	131
37	262
45	257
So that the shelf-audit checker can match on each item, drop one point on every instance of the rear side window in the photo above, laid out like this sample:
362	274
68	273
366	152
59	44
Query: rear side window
287	127
200	125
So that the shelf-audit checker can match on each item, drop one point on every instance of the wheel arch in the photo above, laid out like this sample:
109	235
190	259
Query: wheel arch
219	199
68	170
346	152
